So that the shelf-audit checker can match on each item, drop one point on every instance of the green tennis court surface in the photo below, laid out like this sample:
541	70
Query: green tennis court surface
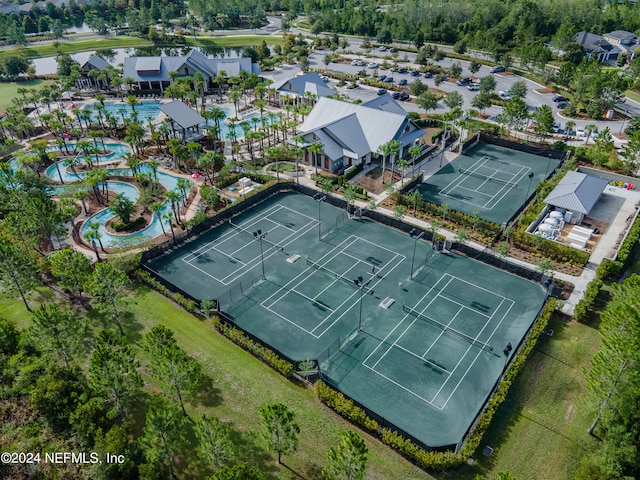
417	338
493	180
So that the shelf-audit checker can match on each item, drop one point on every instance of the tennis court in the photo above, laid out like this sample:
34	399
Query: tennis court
492	180
415	335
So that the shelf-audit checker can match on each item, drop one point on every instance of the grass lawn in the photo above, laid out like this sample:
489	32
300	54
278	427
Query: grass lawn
12	308
633	94
233	41
540	431
240	384
9	90
46	49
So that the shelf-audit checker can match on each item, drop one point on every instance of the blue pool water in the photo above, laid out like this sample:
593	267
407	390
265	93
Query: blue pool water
144	109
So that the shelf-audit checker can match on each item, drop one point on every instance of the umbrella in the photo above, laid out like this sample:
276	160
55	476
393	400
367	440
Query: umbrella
195	175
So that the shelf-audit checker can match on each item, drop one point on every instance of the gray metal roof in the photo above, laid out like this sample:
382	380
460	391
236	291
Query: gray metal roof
577	192
148	64
311	82
96	62
181	114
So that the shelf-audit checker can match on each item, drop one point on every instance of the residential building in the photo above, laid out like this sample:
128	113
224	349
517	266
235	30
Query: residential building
595	46
9	8
625	41
307	88
89	79
353	134
152	73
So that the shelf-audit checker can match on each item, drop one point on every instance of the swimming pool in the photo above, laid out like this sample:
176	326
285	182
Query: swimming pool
144	109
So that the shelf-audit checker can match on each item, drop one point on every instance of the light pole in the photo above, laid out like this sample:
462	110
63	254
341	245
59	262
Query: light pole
529	187
361	284
415	243
259	236
318	197
548	165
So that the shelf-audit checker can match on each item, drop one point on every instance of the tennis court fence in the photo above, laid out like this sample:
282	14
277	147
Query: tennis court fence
447	329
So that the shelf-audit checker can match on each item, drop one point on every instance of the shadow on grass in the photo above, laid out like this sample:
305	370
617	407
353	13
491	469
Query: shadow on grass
208	394
249	448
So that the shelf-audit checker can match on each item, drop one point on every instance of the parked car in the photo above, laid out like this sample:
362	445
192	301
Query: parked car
388	80
402	70
415	73
560	98
473	87
395	95
562	105
428	75
324	78
382	91
557	127
404	96
354	63
393	50
402	81
382	48
580	132
463	81
382	77
497	69
373	65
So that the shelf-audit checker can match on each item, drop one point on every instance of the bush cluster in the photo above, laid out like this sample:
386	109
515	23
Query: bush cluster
266	355
120	227
607	269
484	227
586	302
345	407
186	303
432	460
231	179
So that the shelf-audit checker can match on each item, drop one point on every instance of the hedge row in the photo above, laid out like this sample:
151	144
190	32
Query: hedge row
431	460
268	356
587	300
483	226
607	269
231	179
186	303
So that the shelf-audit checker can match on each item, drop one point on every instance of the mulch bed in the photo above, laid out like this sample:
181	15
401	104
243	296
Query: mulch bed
372	180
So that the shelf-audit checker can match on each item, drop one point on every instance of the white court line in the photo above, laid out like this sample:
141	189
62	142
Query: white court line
225	236
442	332
403	319
413	354
478	354
524	171
430	402
355	293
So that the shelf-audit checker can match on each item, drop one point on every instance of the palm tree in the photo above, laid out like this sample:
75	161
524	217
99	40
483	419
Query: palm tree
298	152
95	226
590	128
234	95
384	150
91	236
168	217
155	208
402	165
316	148
414	151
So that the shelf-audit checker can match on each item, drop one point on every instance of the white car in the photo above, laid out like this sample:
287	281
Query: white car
580	132
373	65
504	94
473	87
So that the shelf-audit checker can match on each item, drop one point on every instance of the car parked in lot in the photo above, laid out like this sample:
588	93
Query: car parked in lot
388	80
402	81
504	94
395	95
562	105
382	91
324	78
580	132
402	70
373	65
560	98
393	50
497	69
382	48
428	74
382	77
404	96
415	73
463	81
473	87
357	63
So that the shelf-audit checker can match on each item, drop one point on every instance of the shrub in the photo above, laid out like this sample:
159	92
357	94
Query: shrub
608	268
258	350
586	302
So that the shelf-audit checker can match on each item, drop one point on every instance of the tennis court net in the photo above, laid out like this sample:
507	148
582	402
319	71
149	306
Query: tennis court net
337	275
250	233
491	178
449	330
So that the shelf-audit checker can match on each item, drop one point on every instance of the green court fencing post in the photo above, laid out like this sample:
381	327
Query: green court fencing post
415	243
546	172
361	284
259	236
529	188
318	197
